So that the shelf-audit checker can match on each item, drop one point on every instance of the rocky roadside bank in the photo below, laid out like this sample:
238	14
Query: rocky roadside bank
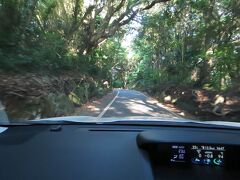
200	104
34	96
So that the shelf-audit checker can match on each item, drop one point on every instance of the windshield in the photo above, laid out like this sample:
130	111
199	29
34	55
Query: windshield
120	58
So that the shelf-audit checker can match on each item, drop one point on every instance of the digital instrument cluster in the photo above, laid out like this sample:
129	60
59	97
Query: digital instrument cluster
198	154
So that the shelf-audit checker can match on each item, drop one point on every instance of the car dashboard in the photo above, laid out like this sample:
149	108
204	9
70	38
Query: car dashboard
107	151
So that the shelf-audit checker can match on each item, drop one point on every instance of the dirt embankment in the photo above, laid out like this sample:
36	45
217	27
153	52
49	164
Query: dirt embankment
31	96
200	103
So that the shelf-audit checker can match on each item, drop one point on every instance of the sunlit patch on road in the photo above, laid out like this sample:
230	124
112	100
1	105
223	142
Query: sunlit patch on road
133	103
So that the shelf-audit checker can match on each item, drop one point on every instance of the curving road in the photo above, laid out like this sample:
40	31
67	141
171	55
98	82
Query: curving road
133	103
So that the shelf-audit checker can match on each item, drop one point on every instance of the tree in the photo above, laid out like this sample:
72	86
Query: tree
190	42
102	19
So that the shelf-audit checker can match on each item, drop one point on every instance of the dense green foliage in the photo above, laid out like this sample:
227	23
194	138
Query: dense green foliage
189	42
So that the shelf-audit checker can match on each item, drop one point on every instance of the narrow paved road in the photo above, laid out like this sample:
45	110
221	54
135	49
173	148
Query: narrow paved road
133	103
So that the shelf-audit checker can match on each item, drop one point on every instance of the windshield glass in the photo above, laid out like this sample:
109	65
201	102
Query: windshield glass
120	58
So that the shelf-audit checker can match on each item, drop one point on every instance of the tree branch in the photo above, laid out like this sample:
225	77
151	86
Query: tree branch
153	3
120	5
107	29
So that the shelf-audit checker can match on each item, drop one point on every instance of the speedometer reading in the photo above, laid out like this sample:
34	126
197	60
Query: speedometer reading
207	155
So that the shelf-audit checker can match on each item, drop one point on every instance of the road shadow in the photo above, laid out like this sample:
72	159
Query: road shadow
132	103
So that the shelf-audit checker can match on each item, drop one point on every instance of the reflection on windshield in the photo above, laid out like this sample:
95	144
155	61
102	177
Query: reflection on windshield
166	59
3	115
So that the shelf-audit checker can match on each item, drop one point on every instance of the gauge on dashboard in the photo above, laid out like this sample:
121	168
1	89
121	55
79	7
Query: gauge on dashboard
197	154
178	153
174	148
207	155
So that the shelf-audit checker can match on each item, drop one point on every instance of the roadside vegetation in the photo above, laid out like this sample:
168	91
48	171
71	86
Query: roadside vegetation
56	55
188	52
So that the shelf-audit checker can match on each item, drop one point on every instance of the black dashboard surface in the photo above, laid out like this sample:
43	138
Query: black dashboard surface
94	152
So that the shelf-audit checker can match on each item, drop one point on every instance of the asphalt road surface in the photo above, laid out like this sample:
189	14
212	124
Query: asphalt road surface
133	103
